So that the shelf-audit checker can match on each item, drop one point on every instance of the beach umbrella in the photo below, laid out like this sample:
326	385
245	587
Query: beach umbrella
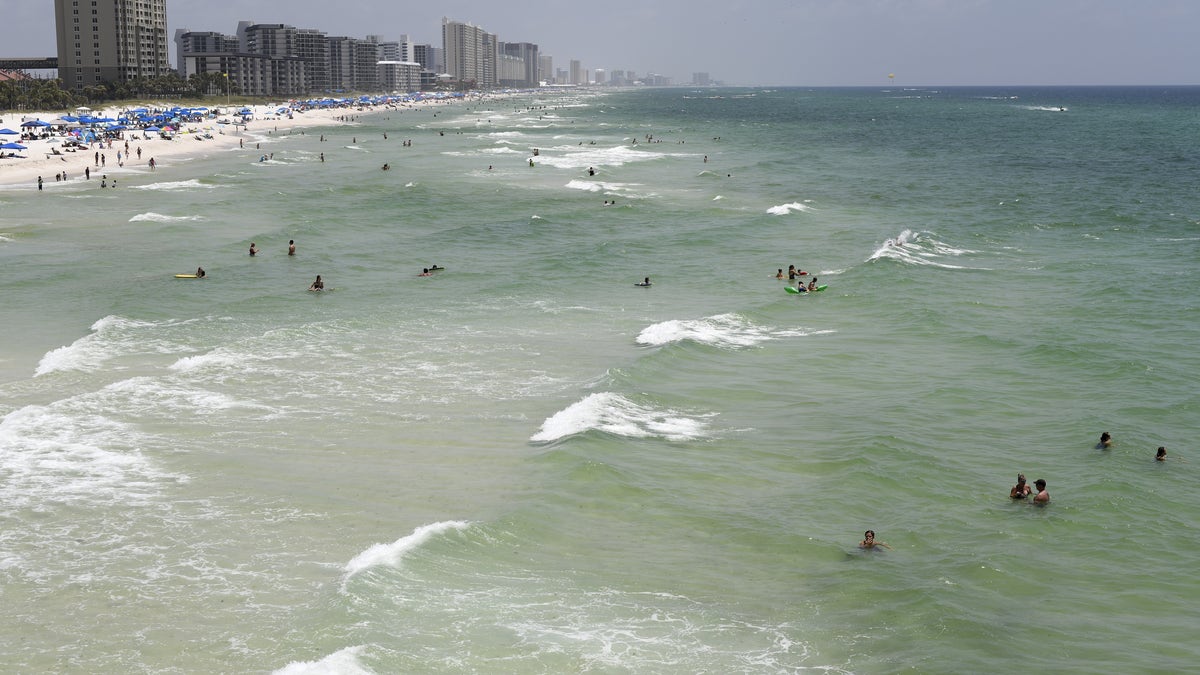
8	132
12	146
35	123
151	129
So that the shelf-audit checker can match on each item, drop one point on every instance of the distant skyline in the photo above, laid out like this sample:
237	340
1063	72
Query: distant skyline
758	42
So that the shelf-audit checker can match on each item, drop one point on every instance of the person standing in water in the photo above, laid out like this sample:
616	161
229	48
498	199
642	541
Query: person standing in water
317	285
253	249
1042	496
291	247
1021	490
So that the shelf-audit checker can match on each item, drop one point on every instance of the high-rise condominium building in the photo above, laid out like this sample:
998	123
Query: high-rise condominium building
471	53
110	40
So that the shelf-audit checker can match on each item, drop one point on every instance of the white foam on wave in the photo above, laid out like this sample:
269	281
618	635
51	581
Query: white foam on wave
192	184
73	451
583	156
153	217
784	209
730	331
617	415
391	554
600	186
920	248
342	662
89	351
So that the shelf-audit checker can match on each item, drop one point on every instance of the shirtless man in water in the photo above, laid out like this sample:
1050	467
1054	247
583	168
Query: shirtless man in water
1042	497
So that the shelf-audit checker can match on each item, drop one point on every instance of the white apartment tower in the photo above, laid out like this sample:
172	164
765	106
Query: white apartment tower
471	53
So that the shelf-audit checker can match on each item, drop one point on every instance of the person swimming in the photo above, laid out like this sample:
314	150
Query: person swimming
317	285
645	282
1161	456
200	273
869	541
1105	441
812	285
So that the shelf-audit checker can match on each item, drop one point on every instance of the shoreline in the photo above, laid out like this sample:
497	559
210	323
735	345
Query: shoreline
191	141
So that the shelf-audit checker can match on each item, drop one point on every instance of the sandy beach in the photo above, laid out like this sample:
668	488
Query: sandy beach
190	140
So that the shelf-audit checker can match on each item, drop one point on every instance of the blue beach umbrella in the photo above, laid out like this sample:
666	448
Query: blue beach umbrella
12	146
8	132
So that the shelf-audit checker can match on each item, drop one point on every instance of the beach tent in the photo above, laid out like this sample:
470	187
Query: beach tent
8	132
35	123
11	146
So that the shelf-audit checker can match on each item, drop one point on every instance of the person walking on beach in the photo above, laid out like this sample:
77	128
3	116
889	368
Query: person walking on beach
39	182
152	164
87	173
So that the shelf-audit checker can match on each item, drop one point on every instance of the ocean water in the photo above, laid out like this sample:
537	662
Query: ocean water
525	464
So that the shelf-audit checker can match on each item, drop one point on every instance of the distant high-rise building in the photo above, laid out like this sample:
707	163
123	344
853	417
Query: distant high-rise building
432	59
242	71
546	68
700	79
110	41
577	75
599	76
471	53
526	74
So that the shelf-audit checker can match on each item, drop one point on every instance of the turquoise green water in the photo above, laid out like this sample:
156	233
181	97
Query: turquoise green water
524	463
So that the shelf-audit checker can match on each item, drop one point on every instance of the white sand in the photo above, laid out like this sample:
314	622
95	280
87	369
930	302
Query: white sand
21	174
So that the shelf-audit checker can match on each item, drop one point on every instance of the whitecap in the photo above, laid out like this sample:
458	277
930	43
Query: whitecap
342	662
617	415
920	249
391	554
722	330
784	209
89	351
153	217
175	185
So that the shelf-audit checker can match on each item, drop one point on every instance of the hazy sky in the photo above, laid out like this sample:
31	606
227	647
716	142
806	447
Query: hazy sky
755	42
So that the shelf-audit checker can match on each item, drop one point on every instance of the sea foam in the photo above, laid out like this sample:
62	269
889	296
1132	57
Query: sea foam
153	217
342	662
730	331
192	184
391	554
617	415
920	248
784	209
